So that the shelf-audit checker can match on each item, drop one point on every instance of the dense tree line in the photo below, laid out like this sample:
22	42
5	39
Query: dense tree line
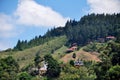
92	27
38	40
89	28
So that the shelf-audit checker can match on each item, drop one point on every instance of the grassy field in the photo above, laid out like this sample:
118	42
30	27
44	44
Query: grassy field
59	53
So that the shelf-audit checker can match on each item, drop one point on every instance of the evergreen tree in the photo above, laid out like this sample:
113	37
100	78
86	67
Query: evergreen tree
74	55
23	76
71	62
53	68
37	59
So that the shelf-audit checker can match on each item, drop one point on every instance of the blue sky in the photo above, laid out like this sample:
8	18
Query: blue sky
25	19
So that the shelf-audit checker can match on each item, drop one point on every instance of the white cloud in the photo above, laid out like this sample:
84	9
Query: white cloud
33	14
104	6
6	26
7	31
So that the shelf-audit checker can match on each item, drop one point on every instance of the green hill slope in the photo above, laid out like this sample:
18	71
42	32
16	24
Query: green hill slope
26	57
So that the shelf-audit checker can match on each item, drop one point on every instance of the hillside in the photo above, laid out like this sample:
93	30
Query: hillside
55	46
89	28
27	56
100	55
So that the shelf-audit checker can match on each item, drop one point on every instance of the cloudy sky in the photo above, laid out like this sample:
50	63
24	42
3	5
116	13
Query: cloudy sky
25	19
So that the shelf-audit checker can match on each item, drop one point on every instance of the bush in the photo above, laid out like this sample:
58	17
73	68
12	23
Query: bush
71	62
114	72
24	76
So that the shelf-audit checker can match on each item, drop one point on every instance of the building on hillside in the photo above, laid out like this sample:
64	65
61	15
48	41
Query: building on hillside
43	69
102	40
72	48
78	63
110	38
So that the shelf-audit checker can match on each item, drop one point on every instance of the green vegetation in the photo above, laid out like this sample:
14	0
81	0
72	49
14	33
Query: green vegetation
23	76
27	56
37	59
110	56
114	72
92	27
53	68
21	45
24	61
59	53
72	73
94	47
74	55
71	62
89	28
8	68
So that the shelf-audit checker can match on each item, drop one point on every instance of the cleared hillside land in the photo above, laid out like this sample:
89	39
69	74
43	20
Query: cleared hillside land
83	55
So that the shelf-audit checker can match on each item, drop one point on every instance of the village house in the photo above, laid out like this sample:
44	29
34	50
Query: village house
102	40
43	69
110	38
78	63
72	48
